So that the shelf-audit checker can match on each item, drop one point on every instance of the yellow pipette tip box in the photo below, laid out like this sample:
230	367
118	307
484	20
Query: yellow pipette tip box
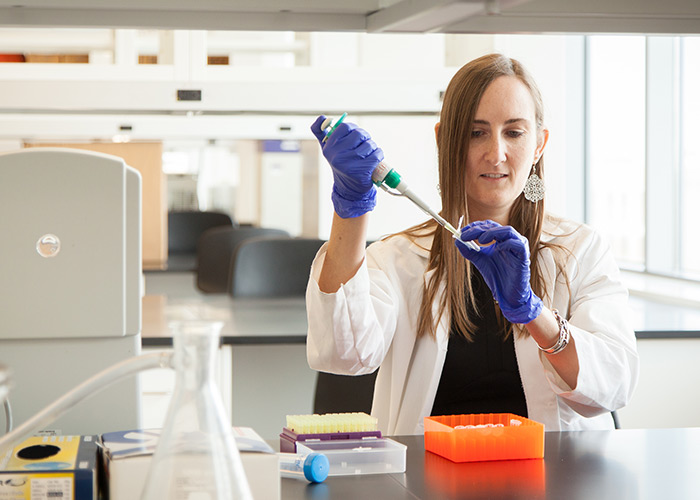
328	426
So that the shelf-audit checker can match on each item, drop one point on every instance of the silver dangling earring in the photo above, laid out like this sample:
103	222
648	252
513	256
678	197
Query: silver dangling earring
534	187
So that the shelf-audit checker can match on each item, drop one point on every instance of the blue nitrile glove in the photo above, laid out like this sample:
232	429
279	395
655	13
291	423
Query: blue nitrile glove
353	156
505	266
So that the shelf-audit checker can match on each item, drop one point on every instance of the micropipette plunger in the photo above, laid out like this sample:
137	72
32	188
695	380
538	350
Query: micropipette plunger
327	122
387	178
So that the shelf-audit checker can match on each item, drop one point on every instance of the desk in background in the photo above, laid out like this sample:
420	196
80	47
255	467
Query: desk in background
245	321
600	465
267	337
263	373
652	319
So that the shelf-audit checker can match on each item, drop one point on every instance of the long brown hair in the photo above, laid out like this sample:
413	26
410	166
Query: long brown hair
460	103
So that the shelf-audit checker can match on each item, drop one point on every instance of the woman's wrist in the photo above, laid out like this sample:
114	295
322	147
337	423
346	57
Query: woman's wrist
345	253
564	335
554	338
547	332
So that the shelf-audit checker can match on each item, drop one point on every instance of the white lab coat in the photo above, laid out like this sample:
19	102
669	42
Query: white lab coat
370	323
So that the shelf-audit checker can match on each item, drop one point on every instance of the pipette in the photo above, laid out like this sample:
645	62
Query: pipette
389	179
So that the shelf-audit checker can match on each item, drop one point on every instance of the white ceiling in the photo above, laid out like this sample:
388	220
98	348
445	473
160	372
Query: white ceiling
450	16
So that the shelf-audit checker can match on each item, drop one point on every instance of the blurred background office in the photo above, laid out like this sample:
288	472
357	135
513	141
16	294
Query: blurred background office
620	109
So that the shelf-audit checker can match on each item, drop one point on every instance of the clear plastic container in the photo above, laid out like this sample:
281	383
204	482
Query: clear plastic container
196	457
359	456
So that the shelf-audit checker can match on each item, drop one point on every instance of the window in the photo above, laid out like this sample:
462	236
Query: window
642	161
690	156
616	139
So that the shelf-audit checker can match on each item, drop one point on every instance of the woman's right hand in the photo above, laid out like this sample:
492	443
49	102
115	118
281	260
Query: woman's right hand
353	156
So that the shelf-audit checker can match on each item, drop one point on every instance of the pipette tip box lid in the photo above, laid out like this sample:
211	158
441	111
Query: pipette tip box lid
370	455
482	437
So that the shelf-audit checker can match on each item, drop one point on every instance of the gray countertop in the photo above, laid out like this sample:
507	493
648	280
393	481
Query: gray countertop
173	296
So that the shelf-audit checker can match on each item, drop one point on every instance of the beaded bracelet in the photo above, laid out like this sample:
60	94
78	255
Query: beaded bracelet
564	335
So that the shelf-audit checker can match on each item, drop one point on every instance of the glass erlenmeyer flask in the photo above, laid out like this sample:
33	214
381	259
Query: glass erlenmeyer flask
196	457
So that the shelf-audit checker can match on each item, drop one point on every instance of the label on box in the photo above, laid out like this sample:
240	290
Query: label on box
51	488
36	486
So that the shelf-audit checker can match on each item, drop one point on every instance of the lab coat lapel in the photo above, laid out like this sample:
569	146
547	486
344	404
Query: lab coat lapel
542	404
424	371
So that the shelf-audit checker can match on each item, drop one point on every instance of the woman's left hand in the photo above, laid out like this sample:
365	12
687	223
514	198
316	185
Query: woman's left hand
504	262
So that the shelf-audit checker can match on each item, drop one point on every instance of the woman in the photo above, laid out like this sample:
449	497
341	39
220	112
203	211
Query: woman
463	331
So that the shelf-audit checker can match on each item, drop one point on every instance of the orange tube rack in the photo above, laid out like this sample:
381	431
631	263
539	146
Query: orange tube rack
499	436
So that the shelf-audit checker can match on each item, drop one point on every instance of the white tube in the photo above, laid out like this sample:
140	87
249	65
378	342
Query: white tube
313	467
130	366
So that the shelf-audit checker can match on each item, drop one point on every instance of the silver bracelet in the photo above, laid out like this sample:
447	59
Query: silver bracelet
564	335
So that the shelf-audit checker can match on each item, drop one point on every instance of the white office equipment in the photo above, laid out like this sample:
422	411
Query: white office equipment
70	273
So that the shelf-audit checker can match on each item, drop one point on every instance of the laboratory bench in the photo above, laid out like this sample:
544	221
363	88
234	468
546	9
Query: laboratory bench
585	465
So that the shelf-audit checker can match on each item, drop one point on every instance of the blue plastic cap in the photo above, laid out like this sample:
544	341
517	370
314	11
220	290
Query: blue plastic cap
316	467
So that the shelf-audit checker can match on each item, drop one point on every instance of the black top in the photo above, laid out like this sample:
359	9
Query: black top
480	376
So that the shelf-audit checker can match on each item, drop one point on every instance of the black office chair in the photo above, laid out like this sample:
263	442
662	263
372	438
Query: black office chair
343	393
215	251
272	267
184	230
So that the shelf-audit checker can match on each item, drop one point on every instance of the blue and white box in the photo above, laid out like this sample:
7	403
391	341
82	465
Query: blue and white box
127	456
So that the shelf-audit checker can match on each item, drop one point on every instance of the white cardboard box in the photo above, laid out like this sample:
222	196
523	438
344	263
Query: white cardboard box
127	456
